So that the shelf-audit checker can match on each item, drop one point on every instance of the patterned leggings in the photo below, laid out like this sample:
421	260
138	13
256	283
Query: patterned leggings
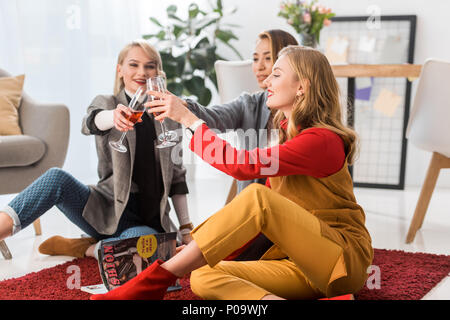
59	188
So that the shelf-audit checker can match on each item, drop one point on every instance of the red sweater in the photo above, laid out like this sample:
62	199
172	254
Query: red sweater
316	152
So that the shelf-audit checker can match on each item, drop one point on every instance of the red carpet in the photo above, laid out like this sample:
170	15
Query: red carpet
403	276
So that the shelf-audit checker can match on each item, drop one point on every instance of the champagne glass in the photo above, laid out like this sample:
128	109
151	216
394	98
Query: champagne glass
137	109
166	137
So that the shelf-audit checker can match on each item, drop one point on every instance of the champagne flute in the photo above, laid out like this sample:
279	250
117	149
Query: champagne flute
137	111
158	84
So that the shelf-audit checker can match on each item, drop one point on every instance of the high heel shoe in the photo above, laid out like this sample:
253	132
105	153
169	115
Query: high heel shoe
150	284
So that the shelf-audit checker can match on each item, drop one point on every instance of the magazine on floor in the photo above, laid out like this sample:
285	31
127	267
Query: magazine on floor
121	260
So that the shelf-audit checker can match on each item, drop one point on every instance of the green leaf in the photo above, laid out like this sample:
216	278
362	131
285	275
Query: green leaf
193	10
203	23
173	67
177	31
149	36
195	85
176	88
155	21
234	50
219	5
225	35
213	77
232	25
172	9
174	20
205	97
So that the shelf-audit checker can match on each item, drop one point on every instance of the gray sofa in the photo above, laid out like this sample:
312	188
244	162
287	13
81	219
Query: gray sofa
43	145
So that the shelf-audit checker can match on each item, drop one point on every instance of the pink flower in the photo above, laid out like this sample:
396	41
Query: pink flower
307	17
290	21
326	22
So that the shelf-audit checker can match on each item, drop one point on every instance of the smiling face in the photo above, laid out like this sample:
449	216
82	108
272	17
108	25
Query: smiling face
283	86
136	68
262	61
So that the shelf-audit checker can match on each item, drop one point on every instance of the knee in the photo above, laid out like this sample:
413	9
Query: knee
201	282
258	193
55	179
55	173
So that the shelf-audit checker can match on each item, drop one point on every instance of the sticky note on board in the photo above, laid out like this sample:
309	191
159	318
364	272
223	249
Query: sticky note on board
367	43
393	51
387	102
363	88
362	83
336	50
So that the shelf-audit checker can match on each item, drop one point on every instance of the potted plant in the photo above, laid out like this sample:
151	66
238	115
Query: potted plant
188	48
307	18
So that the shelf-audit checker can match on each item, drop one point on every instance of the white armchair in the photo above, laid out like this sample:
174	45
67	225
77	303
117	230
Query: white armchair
429	129
235	77
43	145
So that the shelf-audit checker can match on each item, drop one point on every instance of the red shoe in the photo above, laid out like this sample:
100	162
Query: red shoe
150	284
344	297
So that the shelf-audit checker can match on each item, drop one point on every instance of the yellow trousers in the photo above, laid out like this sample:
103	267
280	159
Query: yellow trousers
301	265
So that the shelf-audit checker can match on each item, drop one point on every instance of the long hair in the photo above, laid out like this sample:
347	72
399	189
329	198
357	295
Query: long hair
148	49
320	105
278	39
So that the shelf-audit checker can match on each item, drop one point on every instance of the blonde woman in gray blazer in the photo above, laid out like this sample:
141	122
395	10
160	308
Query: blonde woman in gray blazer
131	196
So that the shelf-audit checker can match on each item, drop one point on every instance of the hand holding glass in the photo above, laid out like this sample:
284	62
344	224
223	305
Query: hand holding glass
167	136
137	109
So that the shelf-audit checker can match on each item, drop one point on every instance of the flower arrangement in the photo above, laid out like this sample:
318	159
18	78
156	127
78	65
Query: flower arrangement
307	18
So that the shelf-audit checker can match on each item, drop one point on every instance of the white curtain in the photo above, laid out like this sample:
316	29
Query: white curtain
10	48
68	51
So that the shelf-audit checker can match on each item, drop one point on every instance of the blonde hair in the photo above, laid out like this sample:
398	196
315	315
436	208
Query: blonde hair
319	106
148	49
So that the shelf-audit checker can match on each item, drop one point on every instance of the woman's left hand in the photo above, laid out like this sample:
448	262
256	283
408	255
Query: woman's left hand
168	105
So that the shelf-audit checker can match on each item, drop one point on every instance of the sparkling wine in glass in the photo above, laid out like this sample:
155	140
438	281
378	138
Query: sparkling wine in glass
166	137
136	112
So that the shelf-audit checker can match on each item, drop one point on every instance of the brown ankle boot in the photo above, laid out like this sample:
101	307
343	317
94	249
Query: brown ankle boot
60	246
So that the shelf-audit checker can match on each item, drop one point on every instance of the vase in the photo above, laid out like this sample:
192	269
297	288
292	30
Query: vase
308	40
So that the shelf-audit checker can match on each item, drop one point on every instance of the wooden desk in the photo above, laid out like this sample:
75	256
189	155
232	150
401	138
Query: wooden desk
377	70
353	71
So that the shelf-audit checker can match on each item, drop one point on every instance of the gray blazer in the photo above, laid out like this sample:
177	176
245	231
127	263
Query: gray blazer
109	197
248	111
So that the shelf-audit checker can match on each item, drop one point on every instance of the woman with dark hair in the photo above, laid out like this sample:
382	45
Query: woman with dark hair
249	111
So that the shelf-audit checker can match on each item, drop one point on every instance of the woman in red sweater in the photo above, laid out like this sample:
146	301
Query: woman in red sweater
321	247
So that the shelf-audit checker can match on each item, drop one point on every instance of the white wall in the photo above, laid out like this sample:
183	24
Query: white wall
432	40
254	16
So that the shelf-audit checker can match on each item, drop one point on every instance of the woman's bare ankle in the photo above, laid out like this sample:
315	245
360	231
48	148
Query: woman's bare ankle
90	251
185	261
6	225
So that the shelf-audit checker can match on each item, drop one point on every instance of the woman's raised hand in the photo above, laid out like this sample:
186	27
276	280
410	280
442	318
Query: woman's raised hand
121	116
168	105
